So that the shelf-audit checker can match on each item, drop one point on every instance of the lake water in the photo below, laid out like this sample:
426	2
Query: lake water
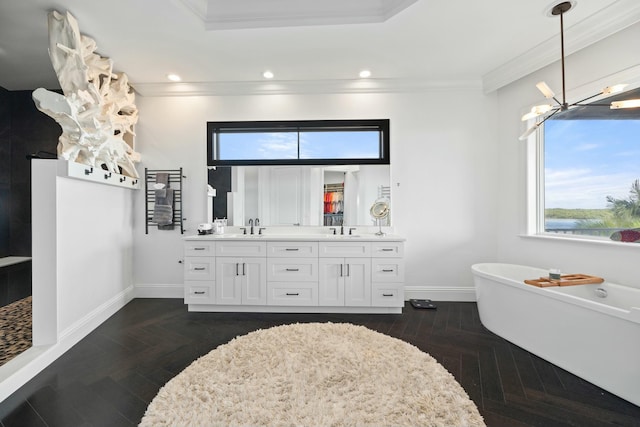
554	223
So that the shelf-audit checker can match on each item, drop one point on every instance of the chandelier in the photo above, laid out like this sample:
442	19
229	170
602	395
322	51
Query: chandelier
547	110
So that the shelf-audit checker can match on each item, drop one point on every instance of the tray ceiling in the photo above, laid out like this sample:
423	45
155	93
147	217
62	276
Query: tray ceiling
243	14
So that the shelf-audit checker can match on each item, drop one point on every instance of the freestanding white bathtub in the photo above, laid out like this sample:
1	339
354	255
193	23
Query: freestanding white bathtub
577	328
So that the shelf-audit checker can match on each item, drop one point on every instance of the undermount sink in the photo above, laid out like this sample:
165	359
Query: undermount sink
237	235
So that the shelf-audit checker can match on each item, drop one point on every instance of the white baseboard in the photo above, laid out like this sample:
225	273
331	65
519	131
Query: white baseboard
15	373
444	293
159	290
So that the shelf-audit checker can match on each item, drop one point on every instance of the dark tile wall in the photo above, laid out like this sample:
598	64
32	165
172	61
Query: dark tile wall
23	130
15	282
5	170
220	179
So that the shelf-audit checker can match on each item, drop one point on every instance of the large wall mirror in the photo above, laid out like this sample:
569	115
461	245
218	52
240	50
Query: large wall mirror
307	173
286	195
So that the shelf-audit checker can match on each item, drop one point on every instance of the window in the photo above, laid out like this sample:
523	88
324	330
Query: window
316	142
590	172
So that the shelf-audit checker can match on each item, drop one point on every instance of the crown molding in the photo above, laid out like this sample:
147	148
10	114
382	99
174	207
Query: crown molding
299	87
596	27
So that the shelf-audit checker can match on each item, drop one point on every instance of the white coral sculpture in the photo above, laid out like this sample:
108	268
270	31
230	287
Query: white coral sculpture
97	113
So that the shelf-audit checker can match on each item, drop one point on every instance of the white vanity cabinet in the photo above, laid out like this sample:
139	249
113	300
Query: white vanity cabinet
241	273
199	272
345	273
387	274
328	274
292	273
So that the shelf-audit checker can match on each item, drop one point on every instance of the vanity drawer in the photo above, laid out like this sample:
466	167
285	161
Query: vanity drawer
341	248
195	248
292	269
387	295
304	294
199	268
199	292
387	270
387	249
243	248
292	249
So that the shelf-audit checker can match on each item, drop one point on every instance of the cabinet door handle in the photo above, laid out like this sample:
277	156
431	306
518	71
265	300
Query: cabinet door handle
387	270
348	270
199	268
199	249
237	269
292	294
387	295
341	272
292	249
293	269
386	250
244	269
199	292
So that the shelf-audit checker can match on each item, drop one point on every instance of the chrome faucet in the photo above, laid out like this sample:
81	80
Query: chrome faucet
341	229
251	224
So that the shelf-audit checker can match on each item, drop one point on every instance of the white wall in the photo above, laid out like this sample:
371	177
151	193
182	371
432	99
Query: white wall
444	174
615	262
95	247
82	264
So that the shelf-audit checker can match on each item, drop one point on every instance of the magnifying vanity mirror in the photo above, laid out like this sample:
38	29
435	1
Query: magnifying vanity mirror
326	195
380	211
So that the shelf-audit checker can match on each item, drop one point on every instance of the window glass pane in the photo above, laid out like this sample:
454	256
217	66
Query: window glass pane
258	145
340	145
590	169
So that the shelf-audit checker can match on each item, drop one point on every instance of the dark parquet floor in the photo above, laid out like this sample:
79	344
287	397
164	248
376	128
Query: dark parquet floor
109	377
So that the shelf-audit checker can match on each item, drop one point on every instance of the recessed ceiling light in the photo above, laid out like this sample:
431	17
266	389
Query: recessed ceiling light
267	74
174	77
365	73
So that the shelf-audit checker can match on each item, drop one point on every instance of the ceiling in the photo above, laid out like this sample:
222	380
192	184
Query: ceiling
215	45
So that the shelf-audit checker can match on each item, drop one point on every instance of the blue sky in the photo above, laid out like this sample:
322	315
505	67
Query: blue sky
588	160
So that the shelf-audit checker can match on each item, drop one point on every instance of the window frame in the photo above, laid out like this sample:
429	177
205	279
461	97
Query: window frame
532	225
379	125
536	182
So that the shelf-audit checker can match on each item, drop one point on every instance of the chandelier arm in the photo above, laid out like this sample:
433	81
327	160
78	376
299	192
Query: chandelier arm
548	117
587	98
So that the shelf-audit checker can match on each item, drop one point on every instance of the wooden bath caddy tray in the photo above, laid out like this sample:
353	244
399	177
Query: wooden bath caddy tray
565	280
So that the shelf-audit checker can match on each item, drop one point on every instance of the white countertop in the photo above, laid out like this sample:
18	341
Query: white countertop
300	237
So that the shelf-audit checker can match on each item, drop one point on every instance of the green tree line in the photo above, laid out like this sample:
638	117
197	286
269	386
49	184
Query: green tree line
620	213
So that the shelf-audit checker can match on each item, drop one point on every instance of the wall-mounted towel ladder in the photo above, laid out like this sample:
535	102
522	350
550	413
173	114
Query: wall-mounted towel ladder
172	214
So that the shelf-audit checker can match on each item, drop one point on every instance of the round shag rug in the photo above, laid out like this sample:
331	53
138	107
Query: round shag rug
315	374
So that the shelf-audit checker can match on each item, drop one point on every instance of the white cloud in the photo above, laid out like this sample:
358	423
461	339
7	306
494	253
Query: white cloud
587	147
579	188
